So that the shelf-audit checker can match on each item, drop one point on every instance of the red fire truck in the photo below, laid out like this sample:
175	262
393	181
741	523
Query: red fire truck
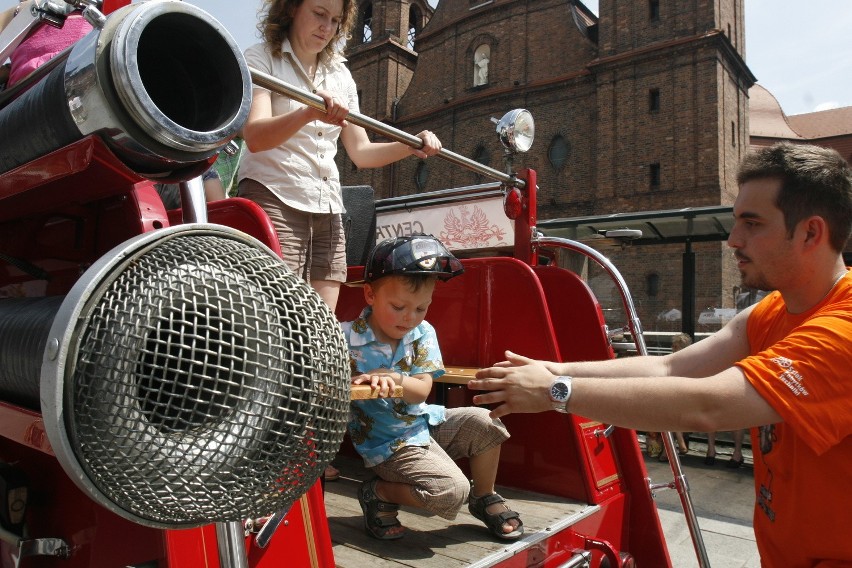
165	380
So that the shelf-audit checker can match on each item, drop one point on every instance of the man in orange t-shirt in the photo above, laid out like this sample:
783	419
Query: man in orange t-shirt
803	463
781	366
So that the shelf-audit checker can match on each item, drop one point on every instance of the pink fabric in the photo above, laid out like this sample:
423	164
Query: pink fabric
43	43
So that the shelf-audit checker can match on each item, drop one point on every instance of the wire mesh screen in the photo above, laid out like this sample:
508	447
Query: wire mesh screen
210	384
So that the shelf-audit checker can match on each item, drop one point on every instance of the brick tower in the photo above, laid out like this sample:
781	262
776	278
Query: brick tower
382	59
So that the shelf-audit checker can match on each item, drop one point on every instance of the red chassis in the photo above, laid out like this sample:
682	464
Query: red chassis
95	202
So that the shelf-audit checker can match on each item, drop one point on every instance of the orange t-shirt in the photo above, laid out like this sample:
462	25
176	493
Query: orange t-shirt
801	364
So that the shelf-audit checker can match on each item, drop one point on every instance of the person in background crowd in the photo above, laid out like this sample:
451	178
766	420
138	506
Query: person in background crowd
679	341
781	366
736	458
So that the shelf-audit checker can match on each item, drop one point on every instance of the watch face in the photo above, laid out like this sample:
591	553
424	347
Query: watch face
559	391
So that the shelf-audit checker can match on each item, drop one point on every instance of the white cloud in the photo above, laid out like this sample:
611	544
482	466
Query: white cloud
827	106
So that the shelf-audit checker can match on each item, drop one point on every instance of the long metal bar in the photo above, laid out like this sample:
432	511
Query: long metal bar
232	546
267	81
458	193
26	18
635	326
192	201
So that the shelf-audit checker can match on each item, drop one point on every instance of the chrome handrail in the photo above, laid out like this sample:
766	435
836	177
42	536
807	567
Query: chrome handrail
679	479
267	81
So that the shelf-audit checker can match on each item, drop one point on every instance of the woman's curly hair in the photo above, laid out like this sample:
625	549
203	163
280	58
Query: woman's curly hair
277	15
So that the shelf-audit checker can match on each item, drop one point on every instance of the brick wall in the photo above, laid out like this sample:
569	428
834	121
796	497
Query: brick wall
590	88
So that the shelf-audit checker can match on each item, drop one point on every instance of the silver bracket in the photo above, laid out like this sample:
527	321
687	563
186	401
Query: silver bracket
55	547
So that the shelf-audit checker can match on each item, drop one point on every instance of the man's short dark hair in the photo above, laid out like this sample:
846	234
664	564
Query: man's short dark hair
814	181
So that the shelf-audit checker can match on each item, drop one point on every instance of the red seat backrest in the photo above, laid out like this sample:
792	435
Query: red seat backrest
576	314
497	304
241	214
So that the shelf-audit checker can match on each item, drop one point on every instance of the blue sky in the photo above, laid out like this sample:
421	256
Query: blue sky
801	52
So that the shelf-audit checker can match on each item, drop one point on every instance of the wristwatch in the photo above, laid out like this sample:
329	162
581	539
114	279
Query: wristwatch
560	393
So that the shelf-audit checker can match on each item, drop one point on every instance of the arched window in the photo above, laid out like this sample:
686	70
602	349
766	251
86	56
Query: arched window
367	22
558	151
482	155
421	176
413	26
652	284
481	60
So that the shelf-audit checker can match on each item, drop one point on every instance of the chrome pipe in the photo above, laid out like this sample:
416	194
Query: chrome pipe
162	83
192	200
232	545
267	81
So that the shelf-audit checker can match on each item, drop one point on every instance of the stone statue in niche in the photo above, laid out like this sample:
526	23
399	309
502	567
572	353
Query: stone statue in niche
480	66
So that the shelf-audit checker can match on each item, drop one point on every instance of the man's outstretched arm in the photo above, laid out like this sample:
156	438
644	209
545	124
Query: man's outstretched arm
725	401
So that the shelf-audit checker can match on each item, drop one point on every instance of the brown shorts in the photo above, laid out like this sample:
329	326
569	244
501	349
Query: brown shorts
436	481
313	244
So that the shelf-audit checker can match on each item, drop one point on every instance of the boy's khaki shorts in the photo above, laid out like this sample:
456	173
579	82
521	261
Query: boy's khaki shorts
436	481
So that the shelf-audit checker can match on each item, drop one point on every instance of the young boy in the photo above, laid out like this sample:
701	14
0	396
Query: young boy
408	444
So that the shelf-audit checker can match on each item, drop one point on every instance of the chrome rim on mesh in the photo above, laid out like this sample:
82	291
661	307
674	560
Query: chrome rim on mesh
190	378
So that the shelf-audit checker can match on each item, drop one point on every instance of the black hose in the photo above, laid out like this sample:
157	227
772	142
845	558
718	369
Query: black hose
24	329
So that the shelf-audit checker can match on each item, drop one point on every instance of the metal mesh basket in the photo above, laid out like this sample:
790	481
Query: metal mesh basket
205	382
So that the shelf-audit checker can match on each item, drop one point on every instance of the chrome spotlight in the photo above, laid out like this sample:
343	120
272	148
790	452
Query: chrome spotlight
516	130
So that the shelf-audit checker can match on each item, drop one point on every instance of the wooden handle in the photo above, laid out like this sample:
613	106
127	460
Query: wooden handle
457	375
364	392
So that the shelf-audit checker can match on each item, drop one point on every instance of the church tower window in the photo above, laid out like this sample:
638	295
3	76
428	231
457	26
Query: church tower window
367	22
413	26
558	151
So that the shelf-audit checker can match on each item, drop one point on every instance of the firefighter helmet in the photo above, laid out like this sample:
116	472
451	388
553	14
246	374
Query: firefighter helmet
414	254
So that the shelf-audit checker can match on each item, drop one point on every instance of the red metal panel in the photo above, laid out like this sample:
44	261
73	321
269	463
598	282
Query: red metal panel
497	304
24	427
645	538
603	474
192	547
58	509
577	315
113	5
302	540
80	172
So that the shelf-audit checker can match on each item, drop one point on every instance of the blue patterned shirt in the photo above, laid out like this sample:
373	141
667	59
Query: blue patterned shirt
379	427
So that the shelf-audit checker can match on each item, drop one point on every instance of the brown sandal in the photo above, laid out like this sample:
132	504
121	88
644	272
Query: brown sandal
378	525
